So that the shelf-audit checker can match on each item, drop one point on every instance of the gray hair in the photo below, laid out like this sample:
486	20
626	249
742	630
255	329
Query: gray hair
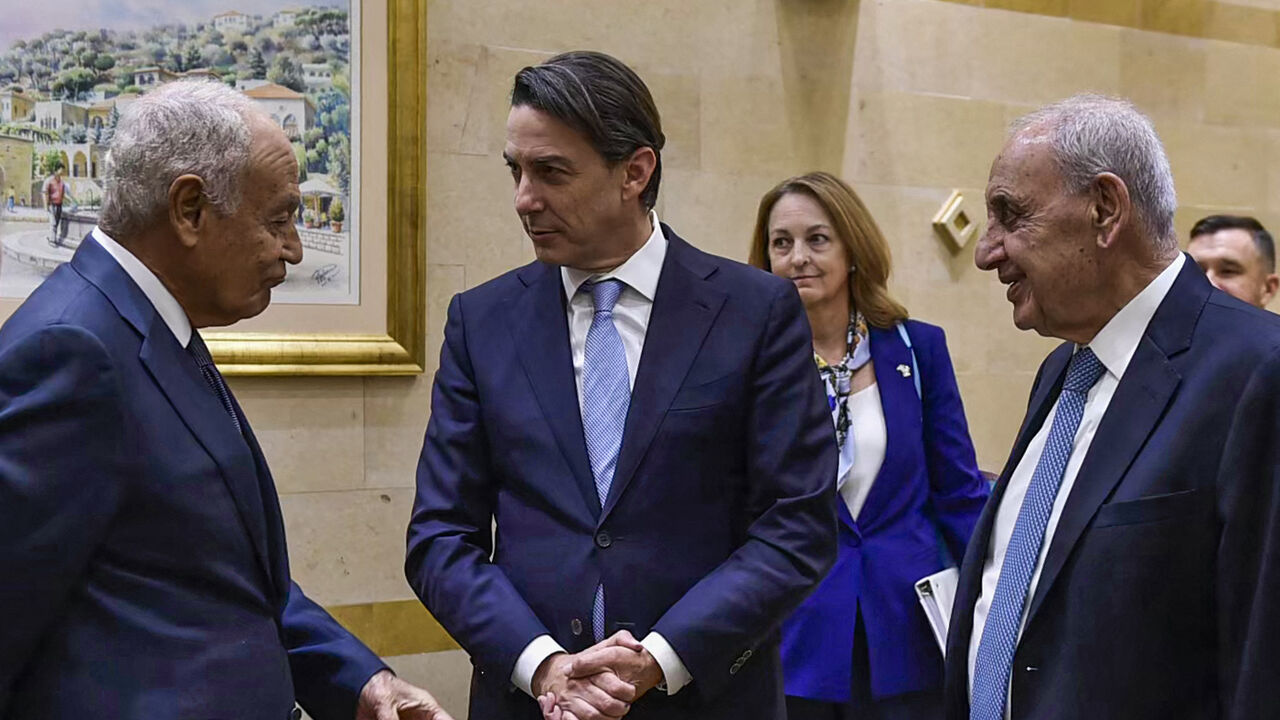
1095	134
188	127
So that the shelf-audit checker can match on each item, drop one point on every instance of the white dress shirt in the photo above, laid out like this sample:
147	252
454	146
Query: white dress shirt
175	318
1114	346
639	276
870	442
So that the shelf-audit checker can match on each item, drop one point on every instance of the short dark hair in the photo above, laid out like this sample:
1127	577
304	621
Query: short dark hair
602	98
1261	238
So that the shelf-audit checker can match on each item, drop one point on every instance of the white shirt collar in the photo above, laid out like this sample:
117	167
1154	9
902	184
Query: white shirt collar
1118	340
163	300
640	272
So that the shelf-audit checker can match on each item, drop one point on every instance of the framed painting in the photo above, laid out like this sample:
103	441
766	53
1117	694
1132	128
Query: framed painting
345	79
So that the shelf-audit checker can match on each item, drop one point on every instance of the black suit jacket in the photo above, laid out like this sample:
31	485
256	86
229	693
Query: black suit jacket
1158	593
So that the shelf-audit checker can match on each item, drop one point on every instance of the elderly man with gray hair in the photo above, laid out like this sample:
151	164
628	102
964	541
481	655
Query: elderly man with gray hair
1128	562
142	549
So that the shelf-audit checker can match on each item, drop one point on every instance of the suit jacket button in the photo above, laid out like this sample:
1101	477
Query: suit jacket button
575	627
603	540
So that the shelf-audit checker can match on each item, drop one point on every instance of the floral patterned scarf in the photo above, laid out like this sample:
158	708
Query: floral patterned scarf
837	378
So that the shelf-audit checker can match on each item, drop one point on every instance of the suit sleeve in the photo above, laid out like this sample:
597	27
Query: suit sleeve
64	466
329	665
1248	561
791	544
450	532
957	490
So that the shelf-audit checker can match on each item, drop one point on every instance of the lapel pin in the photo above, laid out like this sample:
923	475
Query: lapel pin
904	370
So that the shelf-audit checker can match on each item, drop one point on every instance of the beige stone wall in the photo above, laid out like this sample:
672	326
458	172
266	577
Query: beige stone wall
935	84
906	98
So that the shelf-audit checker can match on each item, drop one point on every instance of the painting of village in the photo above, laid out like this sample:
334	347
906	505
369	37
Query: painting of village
66	75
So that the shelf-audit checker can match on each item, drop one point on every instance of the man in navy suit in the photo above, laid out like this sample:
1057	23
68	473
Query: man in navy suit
141	544
1128	563
641	421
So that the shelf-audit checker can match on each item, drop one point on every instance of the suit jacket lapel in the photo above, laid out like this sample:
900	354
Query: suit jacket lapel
180	380
540	328
684	307
1144	392
277	550
902	413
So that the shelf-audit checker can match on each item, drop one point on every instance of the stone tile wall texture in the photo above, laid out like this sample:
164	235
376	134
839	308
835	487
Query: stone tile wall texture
907	99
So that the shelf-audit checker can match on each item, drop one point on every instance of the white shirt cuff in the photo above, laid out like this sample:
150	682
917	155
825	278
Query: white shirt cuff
673	670
541	648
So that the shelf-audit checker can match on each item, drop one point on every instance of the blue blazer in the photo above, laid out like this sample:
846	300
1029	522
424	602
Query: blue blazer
719	520
141	545
929	484
1157	598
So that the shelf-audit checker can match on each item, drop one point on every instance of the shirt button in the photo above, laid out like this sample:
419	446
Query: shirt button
603	540
575	626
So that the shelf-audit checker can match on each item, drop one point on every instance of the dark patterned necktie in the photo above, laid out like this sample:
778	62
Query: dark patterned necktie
200	352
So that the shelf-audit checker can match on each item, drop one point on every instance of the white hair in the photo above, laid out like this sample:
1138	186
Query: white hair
1095	134
189	127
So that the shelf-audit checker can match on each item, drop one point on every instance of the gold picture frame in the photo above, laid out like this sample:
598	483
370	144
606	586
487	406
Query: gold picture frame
401	349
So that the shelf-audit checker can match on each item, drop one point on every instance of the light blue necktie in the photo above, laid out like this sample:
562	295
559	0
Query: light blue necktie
606	394
994	664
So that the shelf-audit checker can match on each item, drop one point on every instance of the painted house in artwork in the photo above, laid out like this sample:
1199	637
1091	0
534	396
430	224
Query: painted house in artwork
16	106
317	76
231	21
53	114
291	109
152	75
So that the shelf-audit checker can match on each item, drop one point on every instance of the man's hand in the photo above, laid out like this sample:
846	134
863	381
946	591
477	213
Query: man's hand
562	696
387	697
622	656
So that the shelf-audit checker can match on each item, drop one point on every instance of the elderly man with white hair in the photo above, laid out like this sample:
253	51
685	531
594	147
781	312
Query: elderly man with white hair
142	552
1128	563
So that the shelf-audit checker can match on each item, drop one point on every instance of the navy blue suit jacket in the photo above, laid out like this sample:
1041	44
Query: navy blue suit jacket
720	518
1158	594
141	545
928	485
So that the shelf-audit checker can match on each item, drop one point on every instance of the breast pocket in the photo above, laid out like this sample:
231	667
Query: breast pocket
701	395
1154	508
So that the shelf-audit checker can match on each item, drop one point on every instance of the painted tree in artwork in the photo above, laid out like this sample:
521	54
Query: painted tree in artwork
113	119
322	21
75	82
286	72
257	65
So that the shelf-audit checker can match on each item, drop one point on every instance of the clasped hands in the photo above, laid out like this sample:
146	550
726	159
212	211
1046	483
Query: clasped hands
599	683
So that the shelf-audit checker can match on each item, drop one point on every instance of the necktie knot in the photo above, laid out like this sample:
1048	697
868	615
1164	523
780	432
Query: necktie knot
604	294
1083	372
199	351
204	360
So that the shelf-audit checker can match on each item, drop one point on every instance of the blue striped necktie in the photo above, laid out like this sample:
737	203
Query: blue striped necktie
606	395
994	664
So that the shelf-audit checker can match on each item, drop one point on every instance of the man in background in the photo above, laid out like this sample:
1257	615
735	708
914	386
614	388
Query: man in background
1238	255
142	548
55	193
